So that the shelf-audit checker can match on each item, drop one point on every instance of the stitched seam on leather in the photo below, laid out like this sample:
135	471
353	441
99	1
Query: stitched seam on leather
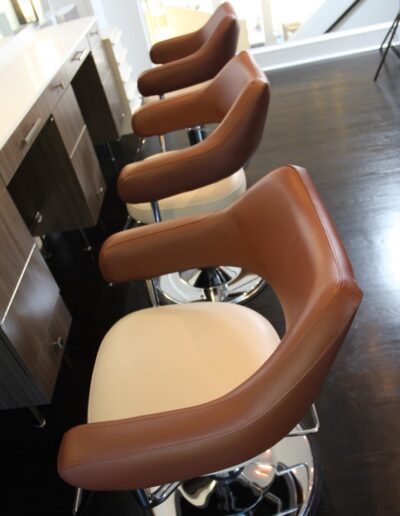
158	231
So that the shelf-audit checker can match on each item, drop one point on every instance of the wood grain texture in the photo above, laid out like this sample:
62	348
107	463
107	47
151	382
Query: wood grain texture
93	102
113	98
98	52
89	175
68	118
36	318
333	119
16	244
48	174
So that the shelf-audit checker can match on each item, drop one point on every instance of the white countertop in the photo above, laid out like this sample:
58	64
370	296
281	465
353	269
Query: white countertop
34	65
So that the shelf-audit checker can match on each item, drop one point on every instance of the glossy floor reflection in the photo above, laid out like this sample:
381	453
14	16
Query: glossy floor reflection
331	118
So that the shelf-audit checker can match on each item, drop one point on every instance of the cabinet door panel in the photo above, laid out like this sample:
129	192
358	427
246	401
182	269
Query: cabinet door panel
69	121
99	53
27	322
114	101
48	363
16	244
89	174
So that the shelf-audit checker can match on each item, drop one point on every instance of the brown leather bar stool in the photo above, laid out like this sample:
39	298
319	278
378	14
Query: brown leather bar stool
192	58
203	177
179	392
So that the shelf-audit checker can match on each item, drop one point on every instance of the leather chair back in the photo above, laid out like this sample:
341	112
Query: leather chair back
237	99
280	230
192	58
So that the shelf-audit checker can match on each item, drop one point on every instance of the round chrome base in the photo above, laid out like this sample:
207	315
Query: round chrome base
236	286
281	481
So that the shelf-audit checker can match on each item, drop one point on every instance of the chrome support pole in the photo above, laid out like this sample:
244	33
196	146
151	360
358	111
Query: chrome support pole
151	285
88	246
156	211
77	500
41	421
163	143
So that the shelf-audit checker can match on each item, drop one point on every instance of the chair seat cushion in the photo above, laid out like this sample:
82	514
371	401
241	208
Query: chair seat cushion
176	356
209	198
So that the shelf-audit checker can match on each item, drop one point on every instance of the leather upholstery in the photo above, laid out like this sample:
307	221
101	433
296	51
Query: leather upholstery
208	198
192	58
172	357
237	98
280	230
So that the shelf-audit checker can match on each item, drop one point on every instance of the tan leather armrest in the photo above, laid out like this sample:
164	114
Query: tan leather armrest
177	112
175	48
203	241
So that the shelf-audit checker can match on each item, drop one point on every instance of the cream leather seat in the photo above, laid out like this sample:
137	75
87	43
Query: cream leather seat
194	202
195	353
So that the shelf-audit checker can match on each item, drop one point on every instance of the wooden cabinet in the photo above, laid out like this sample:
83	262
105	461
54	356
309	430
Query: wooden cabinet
71	186
34	331
34	321
50	181
96	90
16	245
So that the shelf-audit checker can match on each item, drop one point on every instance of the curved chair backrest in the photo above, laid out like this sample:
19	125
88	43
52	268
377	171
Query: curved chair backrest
192	58
280	230
237	98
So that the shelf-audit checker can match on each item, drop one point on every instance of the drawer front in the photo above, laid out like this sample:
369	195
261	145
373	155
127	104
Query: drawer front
53	93
117	110
69	120
79	55
27	322
48	364
99	53
21	141
87	169
16	245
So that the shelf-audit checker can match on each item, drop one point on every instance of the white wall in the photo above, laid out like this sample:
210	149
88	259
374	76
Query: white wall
84	6
126	15
370	12
367	12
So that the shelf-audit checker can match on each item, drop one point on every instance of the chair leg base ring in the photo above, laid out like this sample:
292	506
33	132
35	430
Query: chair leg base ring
181	287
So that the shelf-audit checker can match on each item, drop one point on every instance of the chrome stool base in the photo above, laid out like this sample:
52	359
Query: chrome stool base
284	480
183	287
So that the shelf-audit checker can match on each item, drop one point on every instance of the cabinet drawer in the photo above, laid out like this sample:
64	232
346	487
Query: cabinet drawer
27	322
89	175
69	120
99	53
77	58
16	245
117	110
48	363
20	142
53	93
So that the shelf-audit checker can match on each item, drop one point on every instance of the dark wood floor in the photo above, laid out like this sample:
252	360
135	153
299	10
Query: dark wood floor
331	118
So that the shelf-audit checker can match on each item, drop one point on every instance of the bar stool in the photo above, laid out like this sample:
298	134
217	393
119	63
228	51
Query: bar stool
199	399
192	58
203	177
